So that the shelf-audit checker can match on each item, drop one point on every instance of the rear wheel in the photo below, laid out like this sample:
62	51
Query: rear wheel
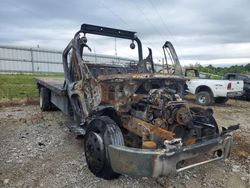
45	99
221	100
101	133
204	98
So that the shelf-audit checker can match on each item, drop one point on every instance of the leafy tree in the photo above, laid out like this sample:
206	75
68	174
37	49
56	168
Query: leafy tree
220	71
247	67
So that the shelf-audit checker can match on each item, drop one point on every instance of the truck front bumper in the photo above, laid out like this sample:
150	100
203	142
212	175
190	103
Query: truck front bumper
159	162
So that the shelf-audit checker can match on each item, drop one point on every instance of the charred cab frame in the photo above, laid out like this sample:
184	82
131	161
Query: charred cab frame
133	119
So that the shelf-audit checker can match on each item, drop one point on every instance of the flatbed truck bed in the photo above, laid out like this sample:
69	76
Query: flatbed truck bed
54	89
52	83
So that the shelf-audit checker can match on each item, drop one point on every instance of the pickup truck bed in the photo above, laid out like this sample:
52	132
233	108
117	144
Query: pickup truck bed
54	84
244	78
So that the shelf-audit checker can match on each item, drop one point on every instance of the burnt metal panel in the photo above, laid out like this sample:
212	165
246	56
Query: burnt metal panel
62	102
157	163
106	31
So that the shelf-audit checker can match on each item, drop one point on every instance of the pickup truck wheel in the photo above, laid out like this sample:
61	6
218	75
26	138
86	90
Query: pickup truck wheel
45	99
101	133
221	100
204	98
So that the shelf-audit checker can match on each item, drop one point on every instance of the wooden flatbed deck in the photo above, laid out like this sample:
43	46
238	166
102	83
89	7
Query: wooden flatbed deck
54	84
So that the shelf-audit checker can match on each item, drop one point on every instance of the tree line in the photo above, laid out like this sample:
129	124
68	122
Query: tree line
244	69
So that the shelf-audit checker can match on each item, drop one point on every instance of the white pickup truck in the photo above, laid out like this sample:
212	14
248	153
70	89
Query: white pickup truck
208	91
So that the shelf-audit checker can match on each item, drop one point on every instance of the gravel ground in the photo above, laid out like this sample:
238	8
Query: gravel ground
37	150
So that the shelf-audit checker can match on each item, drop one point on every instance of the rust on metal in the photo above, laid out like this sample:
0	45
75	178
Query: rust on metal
149	145
144	107
139	127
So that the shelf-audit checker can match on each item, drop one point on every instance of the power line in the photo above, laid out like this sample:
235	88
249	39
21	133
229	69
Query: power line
121	19
116	15
148	20
164	23
128	25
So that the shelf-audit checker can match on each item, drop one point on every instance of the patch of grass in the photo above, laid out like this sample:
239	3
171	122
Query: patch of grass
20	85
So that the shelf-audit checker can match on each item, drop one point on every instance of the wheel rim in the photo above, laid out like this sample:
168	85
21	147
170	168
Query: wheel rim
202	99
95	154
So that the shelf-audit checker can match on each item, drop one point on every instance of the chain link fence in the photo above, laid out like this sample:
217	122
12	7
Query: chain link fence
35	60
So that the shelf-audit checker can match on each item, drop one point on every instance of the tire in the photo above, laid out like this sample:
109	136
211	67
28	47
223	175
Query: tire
45	104
102	132
204	98
221	100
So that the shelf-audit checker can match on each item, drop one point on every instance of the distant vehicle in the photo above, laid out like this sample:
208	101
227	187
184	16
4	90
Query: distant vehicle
244	78
207	91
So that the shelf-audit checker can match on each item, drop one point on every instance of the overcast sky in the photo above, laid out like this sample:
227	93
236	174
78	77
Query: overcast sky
214	31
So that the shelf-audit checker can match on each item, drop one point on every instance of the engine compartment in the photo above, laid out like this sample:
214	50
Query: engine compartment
153	112
165	109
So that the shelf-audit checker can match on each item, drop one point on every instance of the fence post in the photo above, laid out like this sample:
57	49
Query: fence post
95	58
32	59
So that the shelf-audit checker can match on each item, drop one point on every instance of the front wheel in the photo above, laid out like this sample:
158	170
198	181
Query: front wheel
101	133
204	98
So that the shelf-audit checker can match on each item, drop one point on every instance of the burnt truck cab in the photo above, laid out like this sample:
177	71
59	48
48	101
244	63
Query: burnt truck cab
132	122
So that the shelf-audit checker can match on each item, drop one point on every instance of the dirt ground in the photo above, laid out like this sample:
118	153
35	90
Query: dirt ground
37	150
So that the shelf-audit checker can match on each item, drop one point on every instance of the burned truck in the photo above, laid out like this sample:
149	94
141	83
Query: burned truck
132	121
